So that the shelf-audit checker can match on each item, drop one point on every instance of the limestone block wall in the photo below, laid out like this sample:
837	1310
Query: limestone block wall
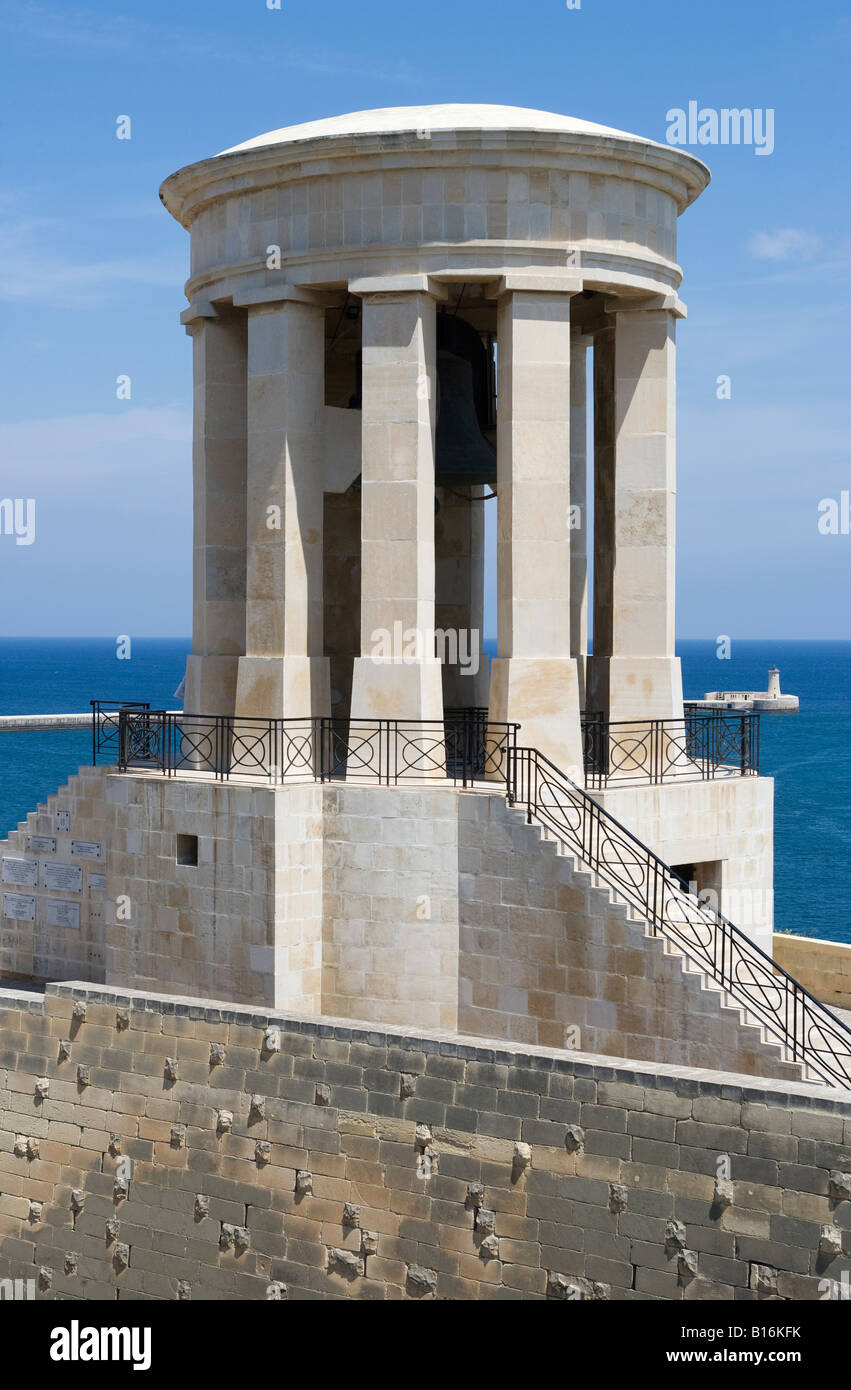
295	928
243	923
390	878
163	1148
548	957
53	894
730	821
408	906
823	967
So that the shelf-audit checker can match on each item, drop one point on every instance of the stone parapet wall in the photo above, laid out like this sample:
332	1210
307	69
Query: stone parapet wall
822	967
162	1148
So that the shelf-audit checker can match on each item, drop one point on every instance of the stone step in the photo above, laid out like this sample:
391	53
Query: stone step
752	1033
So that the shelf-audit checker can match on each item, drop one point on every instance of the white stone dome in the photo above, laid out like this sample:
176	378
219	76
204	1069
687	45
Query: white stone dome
446	116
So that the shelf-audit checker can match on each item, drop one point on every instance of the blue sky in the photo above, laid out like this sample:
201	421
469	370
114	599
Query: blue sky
92	267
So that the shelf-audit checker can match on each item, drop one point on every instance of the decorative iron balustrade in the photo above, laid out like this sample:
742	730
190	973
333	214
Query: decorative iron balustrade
463	747
105	729
700	747
807	1030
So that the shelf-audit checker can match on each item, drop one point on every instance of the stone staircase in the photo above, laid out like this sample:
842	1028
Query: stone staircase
743	1033
772	1018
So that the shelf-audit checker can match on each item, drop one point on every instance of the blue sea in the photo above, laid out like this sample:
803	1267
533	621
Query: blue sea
809	753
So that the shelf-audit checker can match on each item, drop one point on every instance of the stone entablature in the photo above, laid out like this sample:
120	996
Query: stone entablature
425	195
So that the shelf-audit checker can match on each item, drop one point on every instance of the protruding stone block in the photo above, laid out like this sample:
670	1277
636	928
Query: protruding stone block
485	1220
830	1242
839	1185
345	1262
574	1139
423	1281
675	1236
618	1197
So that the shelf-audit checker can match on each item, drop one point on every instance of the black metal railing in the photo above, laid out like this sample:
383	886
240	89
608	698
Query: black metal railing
462	747
105	724
807	1030
701	746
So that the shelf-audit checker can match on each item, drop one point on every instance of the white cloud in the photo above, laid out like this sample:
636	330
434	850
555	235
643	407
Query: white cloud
84	30
113	522
88	31
32	269
789	243
74	453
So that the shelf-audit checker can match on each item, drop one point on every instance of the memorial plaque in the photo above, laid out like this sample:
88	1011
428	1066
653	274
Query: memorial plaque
68	878
97	883
63	820
60	914
42	844
20	871
86	849
19	908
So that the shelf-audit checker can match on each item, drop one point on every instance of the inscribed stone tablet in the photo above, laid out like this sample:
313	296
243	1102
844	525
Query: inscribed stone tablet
61	914
22	871
68	878
63	820
87	849
97	883
20	909
42	844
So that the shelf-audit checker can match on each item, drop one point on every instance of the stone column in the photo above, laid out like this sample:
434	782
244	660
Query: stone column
636	674
397	674
284	673
579	509
534	678
218	465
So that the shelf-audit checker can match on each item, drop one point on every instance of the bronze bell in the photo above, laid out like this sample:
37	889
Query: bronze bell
463	456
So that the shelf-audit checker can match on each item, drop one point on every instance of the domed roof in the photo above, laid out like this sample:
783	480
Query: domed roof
448	116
